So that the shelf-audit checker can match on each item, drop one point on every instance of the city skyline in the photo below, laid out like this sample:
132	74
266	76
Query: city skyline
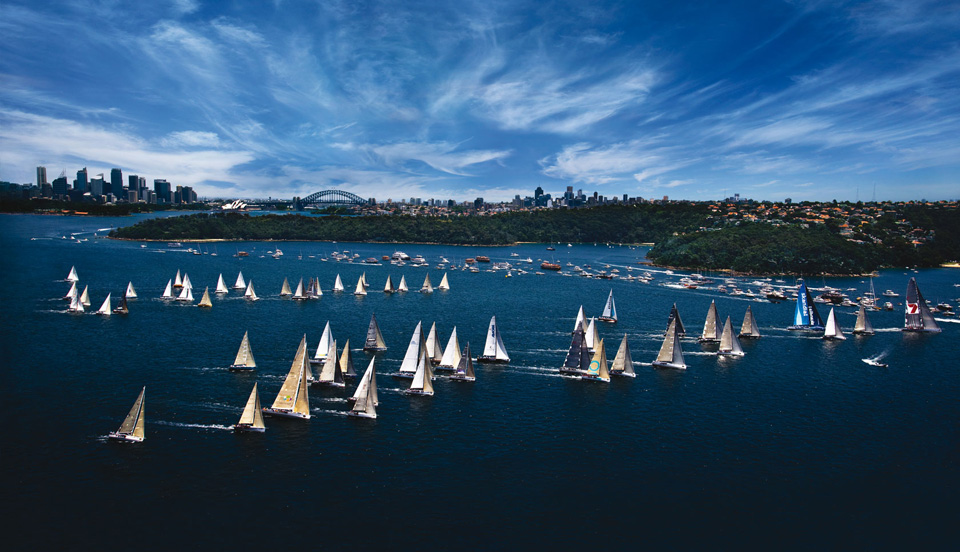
808	100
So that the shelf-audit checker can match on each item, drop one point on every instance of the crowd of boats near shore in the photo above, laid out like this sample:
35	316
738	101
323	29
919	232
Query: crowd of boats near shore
425	360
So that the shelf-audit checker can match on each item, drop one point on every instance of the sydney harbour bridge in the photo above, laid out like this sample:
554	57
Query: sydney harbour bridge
328	198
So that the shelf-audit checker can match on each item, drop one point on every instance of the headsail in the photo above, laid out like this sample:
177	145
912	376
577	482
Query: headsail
671	355
105	307
374	341
749	327
592	337
221	285
444	283
623	362
729	343
832	329
131	293
451	354
609	310
918	316
711	327
205	300
581	321
331	373
244	355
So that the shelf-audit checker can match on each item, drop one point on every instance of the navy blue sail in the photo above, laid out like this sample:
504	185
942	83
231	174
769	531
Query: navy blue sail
806	317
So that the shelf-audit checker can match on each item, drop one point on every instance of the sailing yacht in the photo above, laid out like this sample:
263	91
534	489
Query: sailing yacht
346	362
326	338
363	278
105	307
675	315
221	285
729	343
578	356
72	276
464	370
122	307
374	341
918	316
493	349
299	294
592	336
130	293
244	361
749	327
711	327
444	283
331	375
832	329
186	294
361	289
186	281
85	296
434	354
338	284
293	400
241	283
251	420
805	316
863	325
415	350
451	354
178	280
75	304
205	300
388	287
597	369
72	294
168	291
623	362
132	428
671	355
581	321
426	287
402	286
365	397
250	293
422	383
609	310
285	288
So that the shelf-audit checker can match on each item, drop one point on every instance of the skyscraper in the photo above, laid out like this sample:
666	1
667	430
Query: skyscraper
41	176
82	181
116	182
162	188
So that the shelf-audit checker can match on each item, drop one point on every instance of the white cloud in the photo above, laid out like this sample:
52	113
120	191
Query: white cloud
191	138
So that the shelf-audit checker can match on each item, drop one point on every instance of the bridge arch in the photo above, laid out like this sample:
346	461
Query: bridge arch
331	197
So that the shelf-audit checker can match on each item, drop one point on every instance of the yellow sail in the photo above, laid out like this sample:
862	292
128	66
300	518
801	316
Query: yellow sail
288	397
205	300
252	416
245	354
133	424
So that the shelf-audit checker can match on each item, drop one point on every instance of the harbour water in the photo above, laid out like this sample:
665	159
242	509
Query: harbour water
798	444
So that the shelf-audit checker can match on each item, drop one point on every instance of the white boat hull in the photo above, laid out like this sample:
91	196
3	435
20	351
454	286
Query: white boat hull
417	392
235	368
285	414
456	377
659	364
623	375
328	384
124	438
353	414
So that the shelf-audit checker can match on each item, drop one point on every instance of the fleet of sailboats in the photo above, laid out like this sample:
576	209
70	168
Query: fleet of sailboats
132	428
251	420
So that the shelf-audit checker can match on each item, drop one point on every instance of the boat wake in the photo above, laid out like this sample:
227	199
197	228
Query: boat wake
332	399
196	426
950	320
323	411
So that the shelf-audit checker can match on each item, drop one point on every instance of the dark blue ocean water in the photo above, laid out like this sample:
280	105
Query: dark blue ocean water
798	444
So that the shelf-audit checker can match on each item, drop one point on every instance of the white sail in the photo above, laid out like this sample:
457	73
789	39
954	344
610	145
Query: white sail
623	362
364	397
105	307
581	321
293	400
434	354
252	416
749	327
133	426
241	283
863	325
346	362
72	294
609	309
250	293
168	291
205	300
285	288
326	338
729	343
186	281
75	304
493	349
221	285
409	364
186	294
444	283
244	354
131	293
374	340
330	373
85	297
72	277
422	383
592	335
403	284
178	280
361	290
299	293
426	287
451	355
832	329
464	370
338	284
671	355
711	326
388	287
317	292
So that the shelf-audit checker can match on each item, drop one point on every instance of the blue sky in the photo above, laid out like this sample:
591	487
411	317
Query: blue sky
397	99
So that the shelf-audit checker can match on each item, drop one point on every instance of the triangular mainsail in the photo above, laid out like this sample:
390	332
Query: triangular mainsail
581	321
675	315
346	362
493	349
623	362
168	291
374	341
609	310
105	307
832	329
863	325
464	370
250	293
749	327
729	343
671	355
338	284
403	284
597	369
133	428
221	285
285	288
578	357
324	347
361	289
409	364
241	283
293	399
805	316
426	287
434	354
244	360
299	294
364	397
252	417
918	317
711	326
205	300
130	293
178	280
444	283
451	354
388	287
